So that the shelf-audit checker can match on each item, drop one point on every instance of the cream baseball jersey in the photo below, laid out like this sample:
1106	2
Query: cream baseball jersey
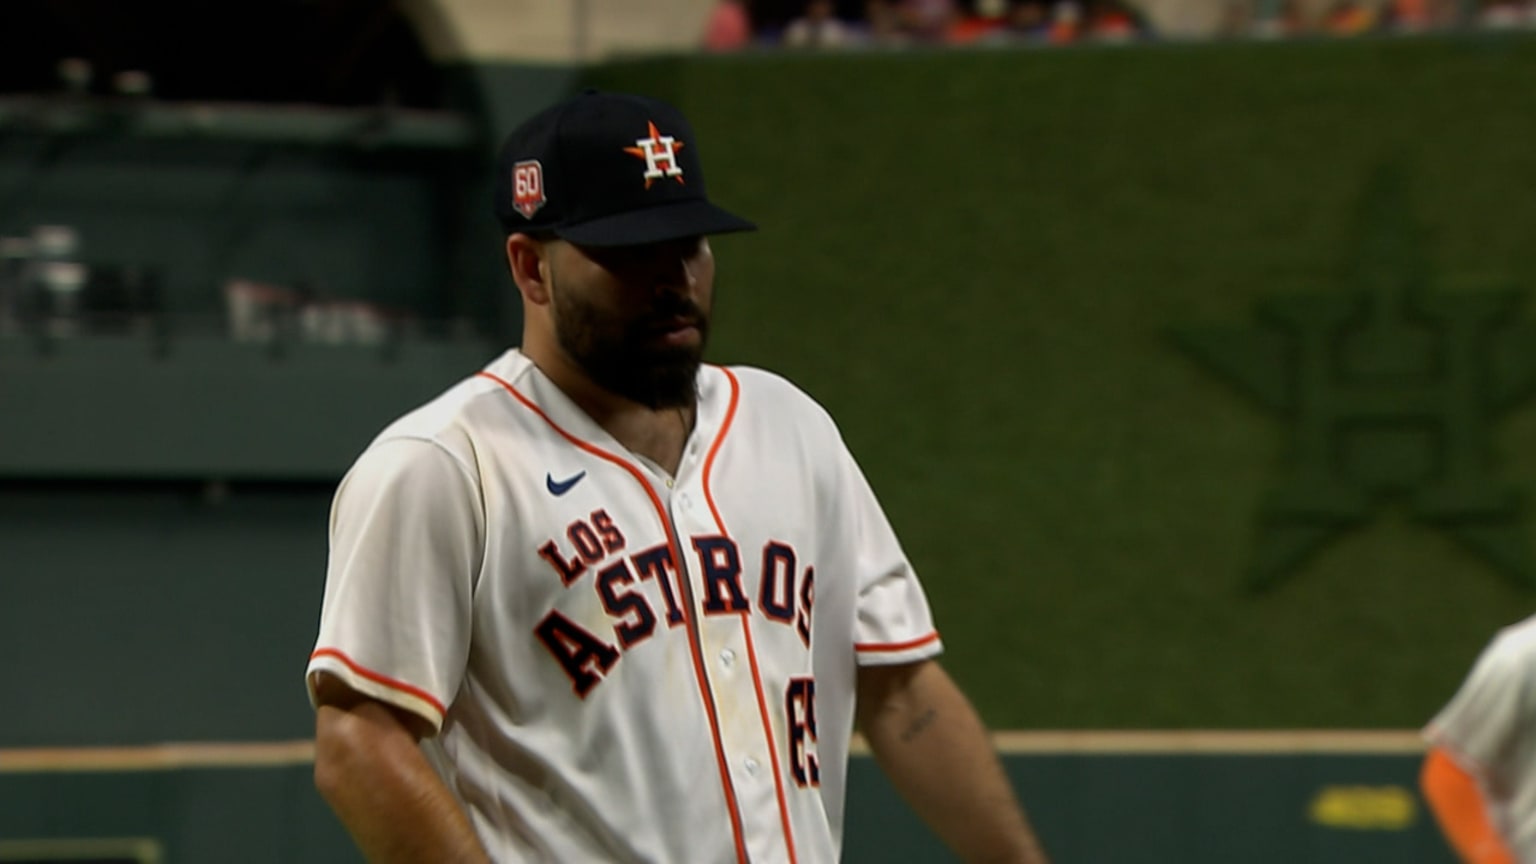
622	665
1489	727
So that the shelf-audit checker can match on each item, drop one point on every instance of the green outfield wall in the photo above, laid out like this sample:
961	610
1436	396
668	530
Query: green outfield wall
1045	295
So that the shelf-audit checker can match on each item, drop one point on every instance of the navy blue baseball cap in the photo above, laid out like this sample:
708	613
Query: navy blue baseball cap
607	169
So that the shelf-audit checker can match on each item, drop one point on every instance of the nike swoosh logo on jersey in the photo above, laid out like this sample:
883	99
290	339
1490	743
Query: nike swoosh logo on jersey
560	487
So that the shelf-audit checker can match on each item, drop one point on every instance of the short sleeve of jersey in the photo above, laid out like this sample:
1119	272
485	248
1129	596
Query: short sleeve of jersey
1483	721
406	542
895	624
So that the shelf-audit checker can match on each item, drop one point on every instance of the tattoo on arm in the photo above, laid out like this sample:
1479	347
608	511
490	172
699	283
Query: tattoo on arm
919	725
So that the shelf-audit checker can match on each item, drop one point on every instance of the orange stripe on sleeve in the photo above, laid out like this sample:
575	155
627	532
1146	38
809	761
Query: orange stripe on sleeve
375	677
891	647
1456	799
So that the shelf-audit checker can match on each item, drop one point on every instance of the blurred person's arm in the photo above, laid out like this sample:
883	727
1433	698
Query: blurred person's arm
1456	798
370	769
934	749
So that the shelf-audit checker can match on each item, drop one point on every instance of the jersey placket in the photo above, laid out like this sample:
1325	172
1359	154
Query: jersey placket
722	640
736	713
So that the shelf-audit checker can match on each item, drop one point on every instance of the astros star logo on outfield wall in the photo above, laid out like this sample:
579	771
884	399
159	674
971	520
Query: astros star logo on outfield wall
1389	391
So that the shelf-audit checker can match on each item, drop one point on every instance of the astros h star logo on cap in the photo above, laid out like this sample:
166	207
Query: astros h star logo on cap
660	154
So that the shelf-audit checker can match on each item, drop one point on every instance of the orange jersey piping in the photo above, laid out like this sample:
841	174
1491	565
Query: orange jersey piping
746	622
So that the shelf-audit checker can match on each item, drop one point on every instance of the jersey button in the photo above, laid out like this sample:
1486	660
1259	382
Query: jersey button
727	658
751	766
685	501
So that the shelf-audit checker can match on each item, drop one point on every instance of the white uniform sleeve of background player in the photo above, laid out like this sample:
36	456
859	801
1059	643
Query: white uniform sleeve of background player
1482	723
406	544
894	624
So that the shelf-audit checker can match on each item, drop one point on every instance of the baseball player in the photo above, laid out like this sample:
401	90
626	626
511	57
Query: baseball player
602	602
1479	775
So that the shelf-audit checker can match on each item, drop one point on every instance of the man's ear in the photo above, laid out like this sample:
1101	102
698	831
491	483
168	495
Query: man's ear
527	261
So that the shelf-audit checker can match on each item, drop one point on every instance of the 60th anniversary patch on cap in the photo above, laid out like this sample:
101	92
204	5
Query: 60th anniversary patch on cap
608	169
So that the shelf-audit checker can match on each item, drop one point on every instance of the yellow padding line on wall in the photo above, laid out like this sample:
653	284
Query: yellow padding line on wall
144	850
271	754
157	757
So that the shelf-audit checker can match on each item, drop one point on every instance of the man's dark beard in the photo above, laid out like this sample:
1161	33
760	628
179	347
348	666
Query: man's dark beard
628	359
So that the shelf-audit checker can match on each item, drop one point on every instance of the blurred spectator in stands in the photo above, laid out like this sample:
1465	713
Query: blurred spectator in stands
985	23
1237	19
1418	16
927	21
1279	18
1112	21
818	27
1410	16
729	27
1029	21
1024	22
882	24
1066	22
1505	14
1350	18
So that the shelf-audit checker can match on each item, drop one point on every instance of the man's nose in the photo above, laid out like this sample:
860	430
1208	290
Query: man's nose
676	273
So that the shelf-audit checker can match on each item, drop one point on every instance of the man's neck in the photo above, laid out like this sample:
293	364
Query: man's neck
658	434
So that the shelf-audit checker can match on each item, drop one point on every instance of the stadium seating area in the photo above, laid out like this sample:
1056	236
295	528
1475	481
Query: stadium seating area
843	24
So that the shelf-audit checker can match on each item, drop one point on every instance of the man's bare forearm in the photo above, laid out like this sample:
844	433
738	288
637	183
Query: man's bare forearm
371	771
934	749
